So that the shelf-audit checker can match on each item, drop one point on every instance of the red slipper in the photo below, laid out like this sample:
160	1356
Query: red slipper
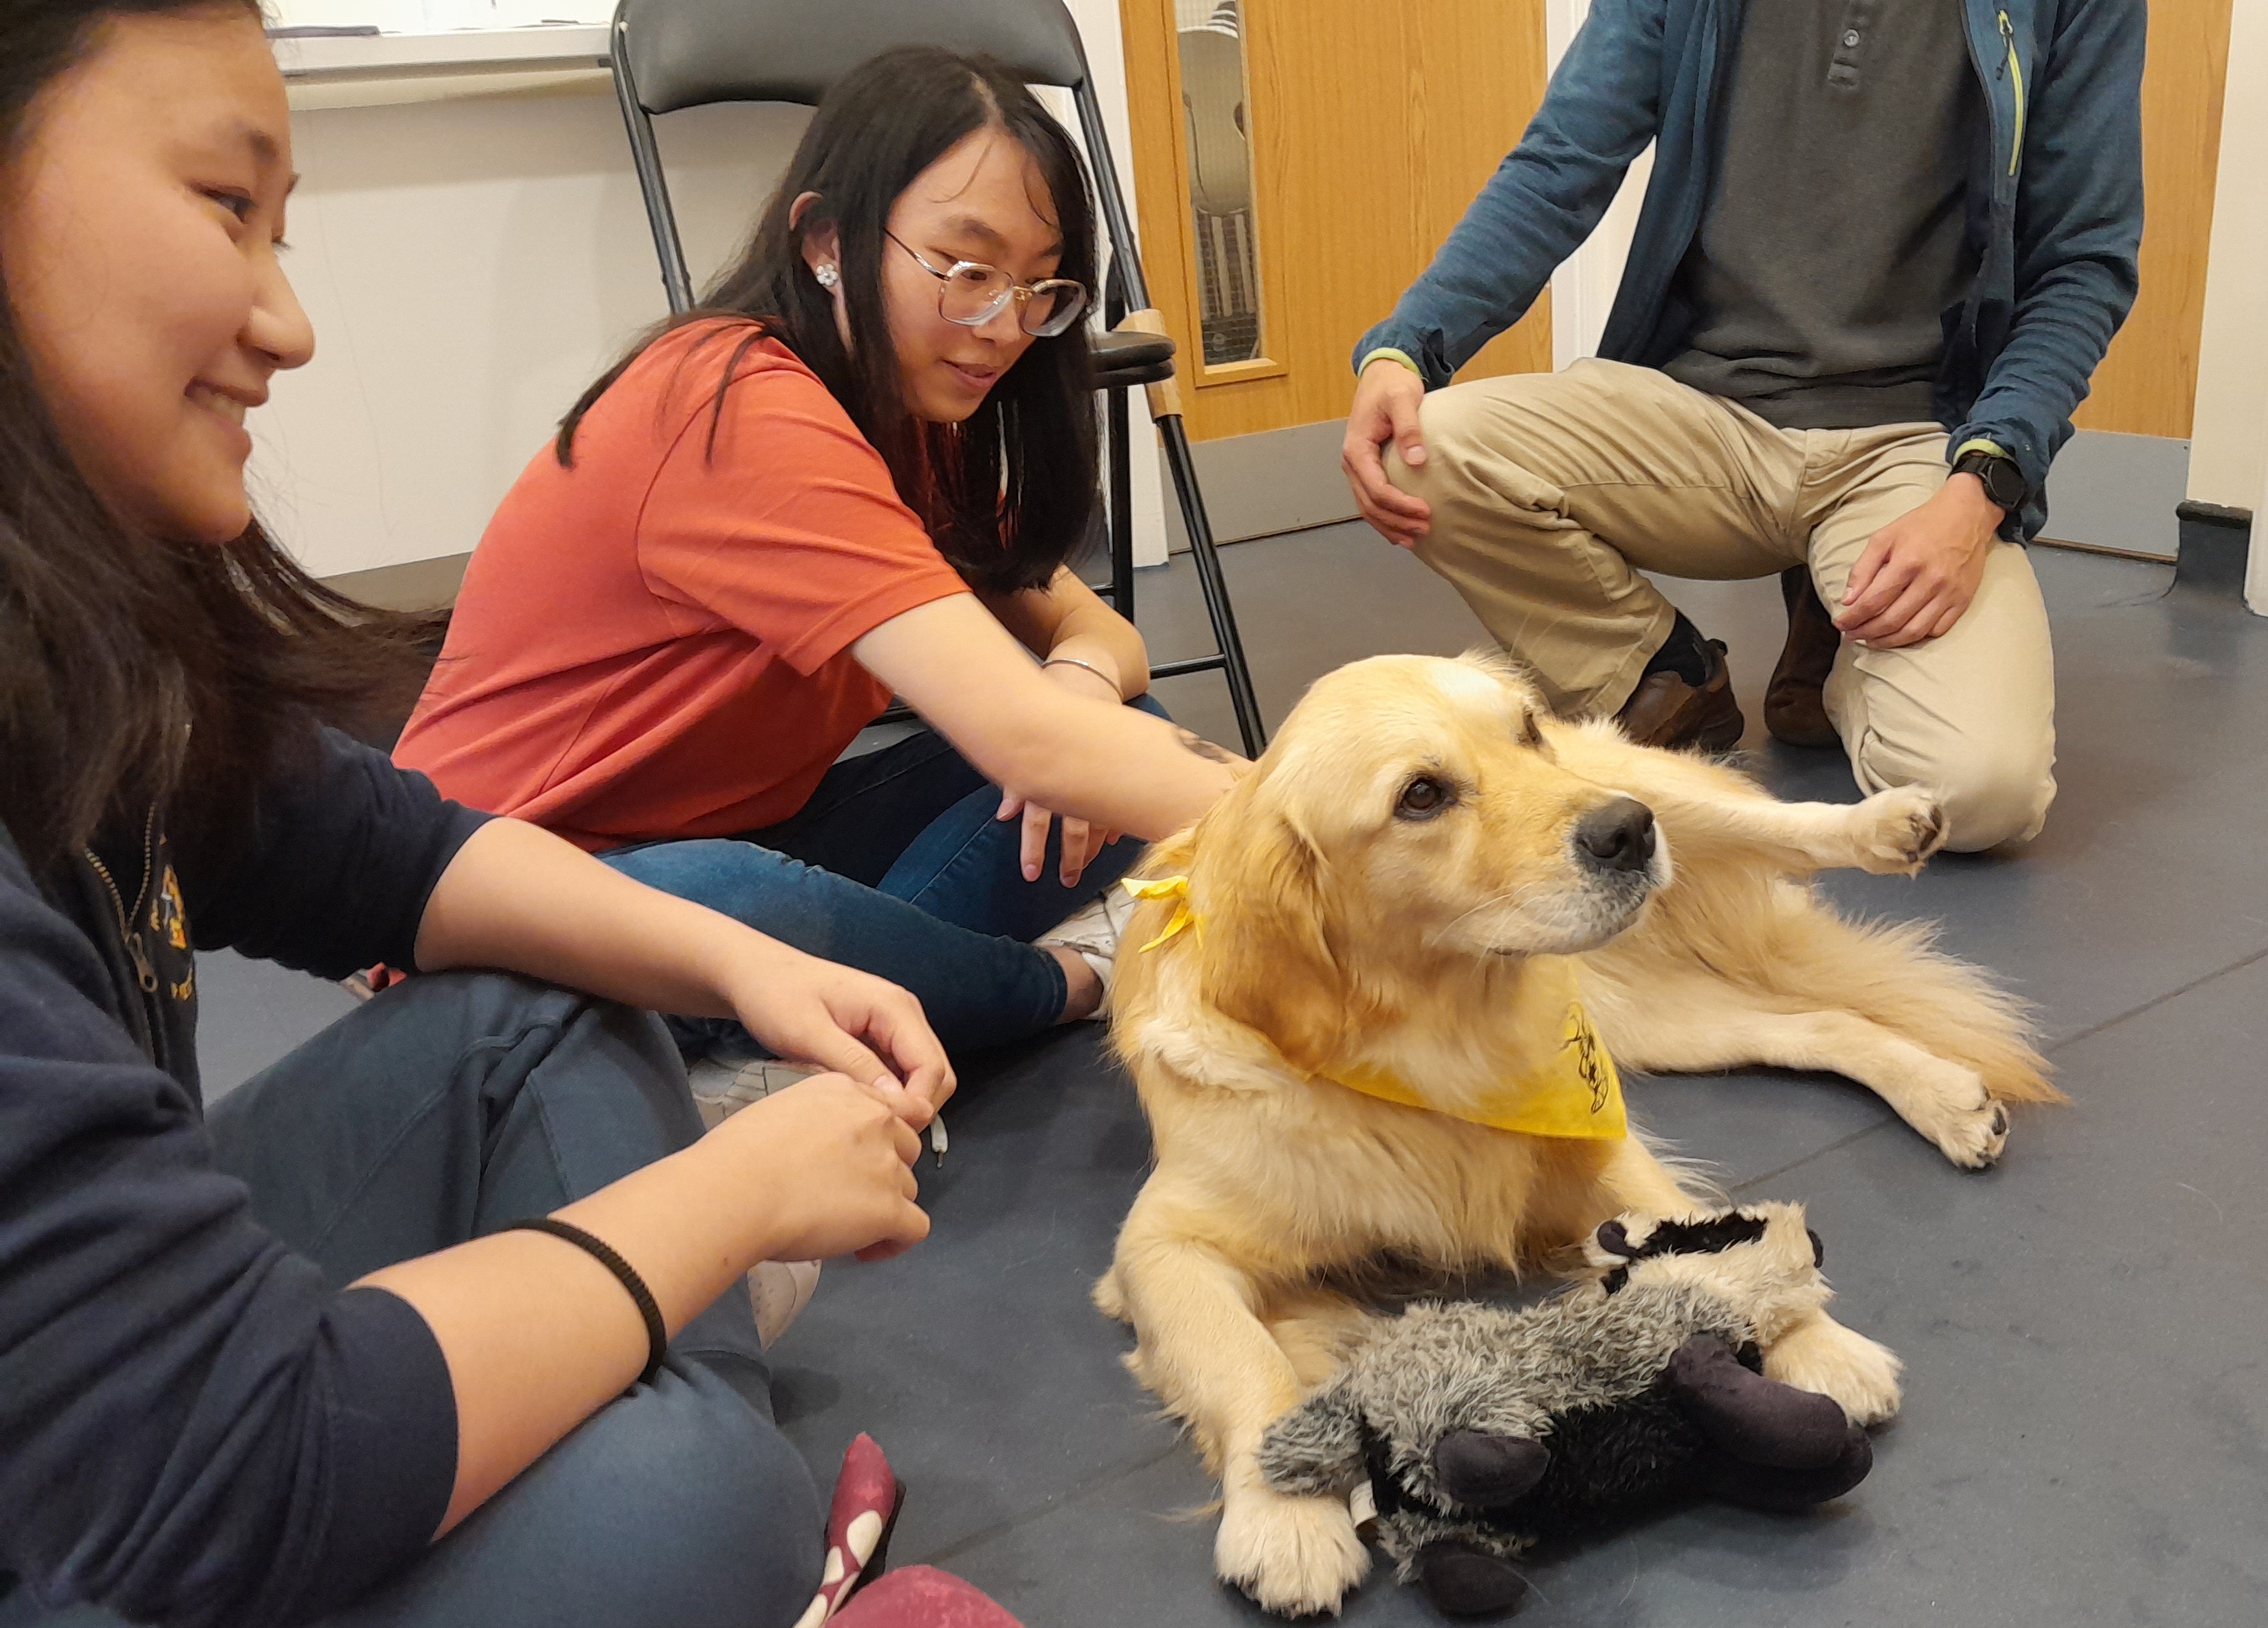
859	1521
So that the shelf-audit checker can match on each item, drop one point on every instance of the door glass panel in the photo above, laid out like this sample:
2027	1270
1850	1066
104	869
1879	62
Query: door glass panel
1210	33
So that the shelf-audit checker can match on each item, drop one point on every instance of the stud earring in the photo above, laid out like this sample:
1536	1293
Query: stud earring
826	276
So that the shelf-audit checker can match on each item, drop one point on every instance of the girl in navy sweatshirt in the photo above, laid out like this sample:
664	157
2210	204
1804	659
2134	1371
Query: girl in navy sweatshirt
293	1358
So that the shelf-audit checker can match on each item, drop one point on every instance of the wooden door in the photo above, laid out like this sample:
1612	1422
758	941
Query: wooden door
1368	126
2148	384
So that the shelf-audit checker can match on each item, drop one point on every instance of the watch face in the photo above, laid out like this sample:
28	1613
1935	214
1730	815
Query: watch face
2002	482
2003	485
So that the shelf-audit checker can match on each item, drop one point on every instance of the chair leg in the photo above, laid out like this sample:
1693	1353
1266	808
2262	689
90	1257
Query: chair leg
1215	587
1121	501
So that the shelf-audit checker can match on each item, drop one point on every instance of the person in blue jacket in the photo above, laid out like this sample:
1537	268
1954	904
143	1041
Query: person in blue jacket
302	1359
1883	247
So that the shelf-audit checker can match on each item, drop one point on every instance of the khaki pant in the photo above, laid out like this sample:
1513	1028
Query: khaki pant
1551	493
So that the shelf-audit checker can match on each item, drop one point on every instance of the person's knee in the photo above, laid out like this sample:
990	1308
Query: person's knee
738	1498
1991	791
1491	490
697	1508
1996	807
736	878
1450	422
680	1504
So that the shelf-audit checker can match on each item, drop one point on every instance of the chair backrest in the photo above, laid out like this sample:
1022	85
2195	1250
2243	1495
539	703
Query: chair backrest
685	53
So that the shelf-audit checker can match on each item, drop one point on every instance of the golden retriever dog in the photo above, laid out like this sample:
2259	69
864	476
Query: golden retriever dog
1407	888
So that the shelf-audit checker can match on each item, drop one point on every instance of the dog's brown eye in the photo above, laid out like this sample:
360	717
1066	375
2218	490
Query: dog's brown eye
1422	799
1530	734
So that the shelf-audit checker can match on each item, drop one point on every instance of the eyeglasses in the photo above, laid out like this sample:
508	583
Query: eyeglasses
972	293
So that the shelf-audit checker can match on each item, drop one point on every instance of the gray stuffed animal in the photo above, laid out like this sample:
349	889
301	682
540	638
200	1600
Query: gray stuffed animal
1479	1429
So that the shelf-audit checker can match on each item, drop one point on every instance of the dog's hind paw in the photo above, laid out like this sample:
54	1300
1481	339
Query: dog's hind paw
1822	1355
1977	1139
1895	831
1969	1126
1296	1556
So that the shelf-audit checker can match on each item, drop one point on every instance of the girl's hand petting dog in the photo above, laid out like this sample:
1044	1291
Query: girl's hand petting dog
1081	841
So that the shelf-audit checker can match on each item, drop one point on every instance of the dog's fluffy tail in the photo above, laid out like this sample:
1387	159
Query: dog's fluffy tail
1894	974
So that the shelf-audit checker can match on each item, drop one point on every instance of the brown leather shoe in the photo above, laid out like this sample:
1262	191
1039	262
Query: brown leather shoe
1664	710
1795	702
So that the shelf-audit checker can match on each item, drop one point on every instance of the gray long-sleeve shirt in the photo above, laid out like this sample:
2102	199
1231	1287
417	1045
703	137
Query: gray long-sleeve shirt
1835	247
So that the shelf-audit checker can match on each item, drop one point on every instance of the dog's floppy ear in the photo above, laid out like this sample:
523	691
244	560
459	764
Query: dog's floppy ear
1268	959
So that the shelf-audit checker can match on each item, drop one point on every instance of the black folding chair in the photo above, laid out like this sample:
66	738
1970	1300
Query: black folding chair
668	55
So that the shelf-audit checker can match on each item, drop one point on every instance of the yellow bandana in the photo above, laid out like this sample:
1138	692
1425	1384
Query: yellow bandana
1577	1092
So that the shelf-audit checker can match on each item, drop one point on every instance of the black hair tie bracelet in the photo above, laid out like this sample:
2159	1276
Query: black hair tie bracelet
657	1336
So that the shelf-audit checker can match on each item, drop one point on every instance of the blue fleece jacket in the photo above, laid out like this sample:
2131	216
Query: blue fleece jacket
195	1427
2055	208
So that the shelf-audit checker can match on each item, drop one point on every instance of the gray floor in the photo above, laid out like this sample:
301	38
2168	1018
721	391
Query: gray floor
2086	1435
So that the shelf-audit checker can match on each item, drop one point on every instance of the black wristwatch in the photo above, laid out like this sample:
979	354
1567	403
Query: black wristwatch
2003	481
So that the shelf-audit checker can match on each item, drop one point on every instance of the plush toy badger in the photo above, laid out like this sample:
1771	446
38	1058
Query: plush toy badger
1480	1430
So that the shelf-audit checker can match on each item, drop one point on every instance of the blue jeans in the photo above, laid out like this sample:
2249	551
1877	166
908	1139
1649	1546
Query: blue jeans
443	1110
895	866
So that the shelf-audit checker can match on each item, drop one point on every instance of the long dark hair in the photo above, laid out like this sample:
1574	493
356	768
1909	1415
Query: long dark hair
139	671
1007	494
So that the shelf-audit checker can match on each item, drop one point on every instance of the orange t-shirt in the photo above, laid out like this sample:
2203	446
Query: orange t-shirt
656	642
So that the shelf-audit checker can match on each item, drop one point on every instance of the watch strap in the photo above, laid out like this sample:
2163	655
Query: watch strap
2002	478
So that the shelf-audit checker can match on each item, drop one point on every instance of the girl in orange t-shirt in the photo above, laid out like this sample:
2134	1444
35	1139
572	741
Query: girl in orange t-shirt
857	468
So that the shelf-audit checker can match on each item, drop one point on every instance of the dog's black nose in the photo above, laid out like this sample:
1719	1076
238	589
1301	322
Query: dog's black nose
1618	837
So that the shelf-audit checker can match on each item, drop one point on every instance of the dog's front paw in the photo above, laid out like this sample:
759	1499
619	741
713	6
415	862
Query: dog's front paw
1294	1555
1822	1355
1894	831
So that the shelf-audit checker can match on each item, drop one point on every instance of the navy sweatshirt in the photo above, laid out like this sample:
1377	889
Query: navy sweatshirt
194	1427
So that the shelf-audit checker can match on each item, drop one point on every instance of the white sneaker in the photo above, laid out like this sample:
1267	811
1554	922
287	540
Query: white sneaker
778	1292
723	1083
1094	932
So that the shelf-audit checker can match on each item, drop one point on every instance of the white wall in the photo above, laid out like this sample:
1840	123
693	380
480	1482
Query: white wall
1099	30
2256	576
471	264
1583	289
2232	393
470	267
2228	442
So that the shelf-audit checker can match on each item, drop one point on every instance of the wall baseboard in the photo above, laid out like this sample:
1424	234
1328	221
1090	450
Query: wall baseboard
1265	483
2117	492
2216	544
414	585
2112	493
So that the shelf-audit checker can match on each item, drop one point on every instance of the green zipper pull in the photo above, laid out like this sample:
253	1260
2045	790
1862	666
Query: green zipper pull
2014	66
